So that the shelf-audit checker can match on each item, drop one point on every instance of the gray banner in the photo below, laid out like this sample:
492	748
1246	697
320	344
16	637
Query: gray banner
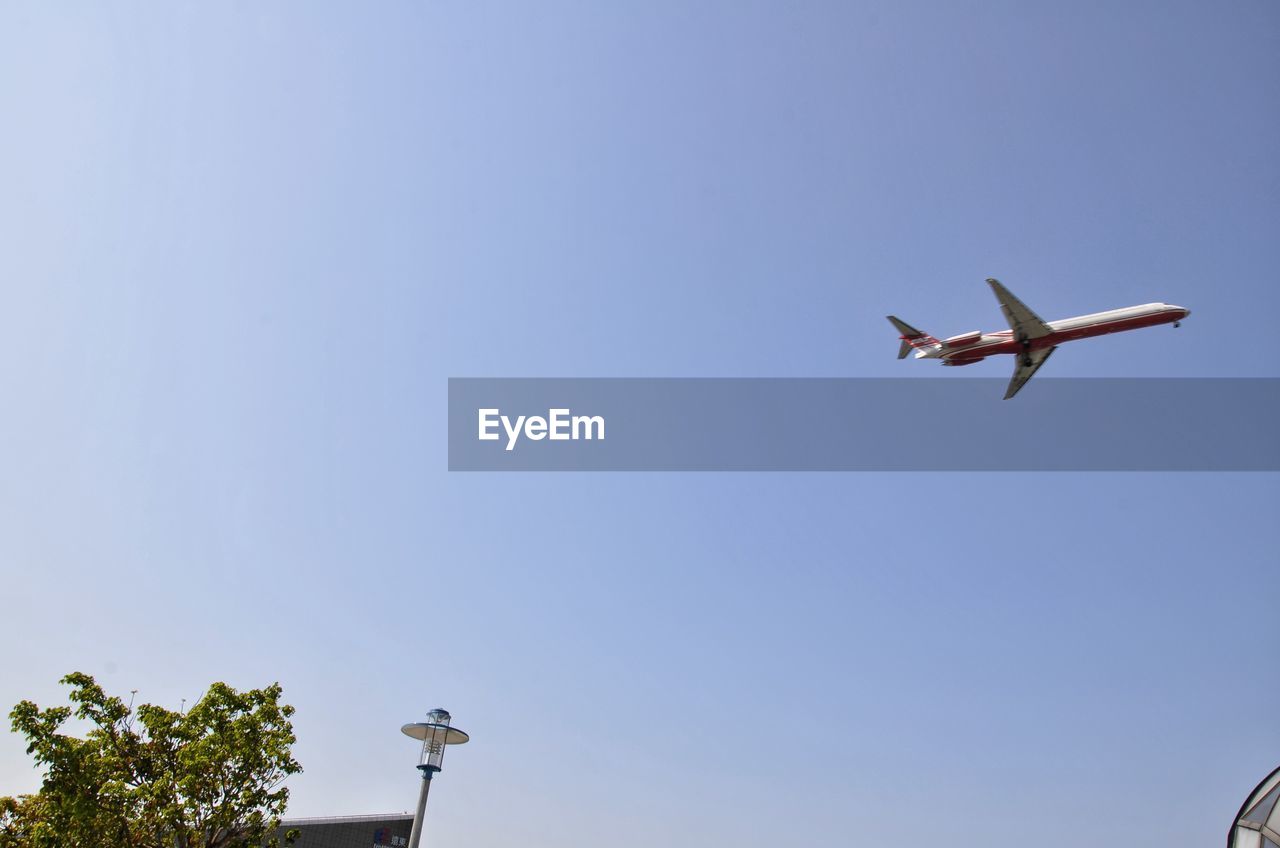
713	424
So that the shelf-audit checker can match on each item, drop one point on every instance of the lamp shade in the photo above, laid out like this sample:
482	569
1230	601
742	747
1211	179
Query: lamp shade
436	735
1257	825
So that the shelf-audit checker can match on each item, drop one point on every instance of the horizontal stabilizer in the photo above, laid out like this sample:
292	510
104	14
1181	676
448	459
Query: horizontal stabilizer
911	337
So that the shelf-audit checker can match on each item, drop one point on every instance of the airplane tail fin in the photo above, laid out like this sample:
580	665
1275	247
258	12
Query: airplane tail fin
910	336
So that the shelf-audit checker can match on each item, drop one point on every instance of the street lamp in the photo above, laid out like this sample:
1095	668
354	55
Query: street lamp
435	734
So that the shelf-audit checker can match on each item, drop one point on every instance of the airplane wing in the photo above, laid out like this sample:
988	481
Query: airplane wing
1026	367
1024	323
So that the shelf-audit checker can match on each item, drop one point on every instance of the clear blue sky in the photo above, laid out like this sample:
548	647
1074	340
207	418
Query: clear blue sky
245	245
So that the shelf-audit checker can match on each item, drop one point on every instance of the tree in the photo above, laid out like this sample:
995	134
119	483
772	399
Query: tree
20	820
210	777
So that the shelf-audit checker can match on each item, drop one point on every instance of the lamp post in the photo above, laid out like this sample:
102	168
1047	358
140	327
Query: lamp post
435	734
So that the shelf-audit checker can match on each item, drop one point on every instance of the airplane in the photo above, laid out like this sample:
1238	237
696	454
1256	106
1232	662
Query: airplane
1030	339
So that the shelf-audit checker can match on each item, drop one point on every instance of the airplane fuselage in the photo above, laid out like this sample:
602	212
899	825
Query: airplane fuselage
968	348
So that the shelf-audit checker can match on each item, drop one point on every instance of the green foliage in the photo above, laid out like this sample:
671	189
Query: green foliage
154	778
22	822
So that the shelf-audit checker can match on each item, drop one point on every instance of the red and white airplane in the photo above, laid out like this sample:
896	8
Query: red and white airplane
1030	339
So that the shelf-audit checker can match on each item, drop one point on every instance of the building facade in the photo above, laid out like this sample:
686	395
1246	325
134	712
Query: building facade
379	831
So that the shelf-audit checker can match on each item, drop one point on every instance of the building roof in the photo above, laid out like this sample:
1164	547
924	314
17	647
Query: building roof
380	817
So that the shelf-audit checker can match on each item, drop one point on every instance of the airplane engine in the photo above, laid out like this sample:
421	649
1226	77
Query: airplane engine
963	339
955	362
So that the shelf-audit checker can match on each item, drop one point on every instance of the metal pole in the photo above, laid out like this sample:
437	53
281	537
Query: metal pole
416	834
